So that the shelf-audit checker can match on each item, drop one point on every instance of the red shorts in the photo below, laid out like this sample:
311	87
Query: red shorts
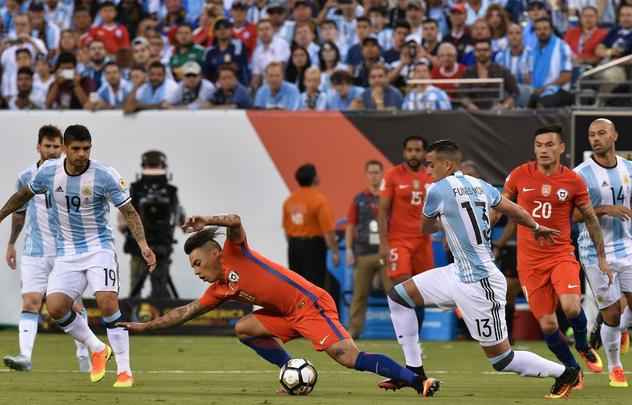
316	321
408	257
542	286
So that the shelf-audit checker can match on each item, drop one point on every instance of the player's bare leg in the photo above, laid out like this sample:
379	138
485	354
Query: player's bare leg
346	353
107	301
251	332
571	305
60	309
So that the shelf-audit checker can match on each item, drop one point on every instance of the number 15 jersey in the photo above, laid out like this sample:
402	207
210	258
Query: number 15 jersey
79	204
550	200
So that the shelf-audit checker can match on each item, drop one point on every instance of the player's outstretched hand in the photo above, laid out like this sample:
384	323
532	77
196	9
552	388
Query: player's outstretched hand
150	259
603	266
135	327
620	212
194	224
547	234
11	256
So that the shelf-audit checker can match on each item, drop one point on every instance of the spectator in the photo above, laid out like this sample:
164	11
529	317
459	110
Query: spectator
618	42
113	35
98	59
301	15
230	93
313	98
498	21
59	13
282	28
193	91
551	68
158	50
585	39
437	11
185	50
309	227
536	9
370	56
256	11
203	34
398	13
43	79
344	13
270	49
48	33
379	28
68	42
154	94
430	41
304	37
113	91
343	92
401	69
459	35
27	98
362	244
243	29
380	95
448	67
140	52
363	31
130	14
415	17
82	23
8	59
401	32
295	70
329	32
475	9
137	76
425	96
486	69
329	57
173	15
69	90
519	60
276	93
226	49
23	58
479	31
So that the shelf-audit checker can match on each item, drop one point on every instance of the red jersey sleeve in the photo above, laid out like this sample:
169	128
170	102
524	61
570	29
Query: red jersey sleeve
125	39
581	197
511	186
387	188
352	215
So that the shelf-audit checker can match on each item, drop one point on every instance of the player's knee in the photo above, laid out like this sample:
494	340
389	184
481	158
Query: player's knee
108	304
572	310
400	296
31	303
501	362
548	326
242	330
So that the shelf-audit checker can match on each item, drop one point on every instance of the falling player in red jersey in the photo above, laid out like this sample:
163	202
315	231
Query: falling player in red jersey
291	306
403	247
549	273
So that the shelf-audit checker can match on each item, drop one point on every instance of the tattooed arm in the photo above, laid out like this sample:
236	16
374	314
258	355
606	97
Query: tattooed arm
137	230
235	231
174	317
17	223
16	201
594	230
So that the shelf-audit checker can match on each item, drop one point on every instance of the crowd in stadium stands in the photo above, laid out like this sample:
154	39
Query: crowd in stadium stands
304	54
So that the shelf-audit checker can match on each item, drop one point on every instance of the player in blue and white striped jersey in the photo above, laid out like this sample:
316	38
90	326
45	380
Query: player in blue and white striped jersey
609	181
38	256
461	206
80	190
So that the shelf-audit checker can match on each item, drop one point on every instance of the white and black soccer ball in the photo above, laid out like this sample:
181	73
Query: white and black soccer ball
298	377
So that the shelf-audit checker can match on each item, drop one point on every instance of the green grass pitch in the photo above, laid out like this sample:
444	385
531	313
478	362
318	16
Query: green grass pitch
220	371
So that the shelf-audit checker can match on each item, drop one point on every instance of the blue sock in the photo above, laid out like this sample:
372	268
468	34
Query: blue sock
386	367
269	349
559	347
580	331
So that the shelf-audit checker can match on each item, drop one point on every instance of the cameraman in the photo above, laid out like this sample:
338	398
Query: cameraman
157	203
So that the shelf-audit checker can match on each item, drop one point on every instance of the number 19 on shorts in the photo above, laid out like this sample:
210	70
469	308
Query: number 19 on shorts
109	276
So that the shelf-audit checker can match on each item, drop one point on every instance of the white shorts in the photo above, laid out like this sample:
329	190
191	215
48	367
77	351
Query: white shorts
482	303
72	274
605	294
34	272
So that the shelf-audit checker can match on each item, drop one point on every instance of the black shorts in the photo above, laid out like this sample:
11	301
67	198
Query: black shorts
507	261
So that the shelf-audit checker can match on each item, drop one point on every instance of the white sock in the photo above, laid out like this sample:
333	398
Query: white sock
626	318
407	331
82	350
80	330
611	341
119	340
529	364
28	331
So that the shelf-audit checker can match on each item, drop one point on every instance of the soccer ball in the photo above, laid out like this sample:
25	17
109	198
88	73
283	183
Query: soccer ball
298	377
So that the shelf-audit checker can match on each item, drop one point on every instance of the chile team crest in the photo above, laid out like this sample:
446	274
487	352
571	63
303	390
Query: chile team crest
562	194
233	279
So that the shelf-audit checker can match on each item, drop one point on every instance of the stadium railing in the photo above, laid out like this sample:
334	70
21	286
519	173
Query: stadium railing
606	85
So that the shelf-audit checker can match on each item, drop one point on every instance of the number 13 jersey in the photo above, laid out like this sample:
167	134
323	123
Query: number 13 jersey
79	204
550	200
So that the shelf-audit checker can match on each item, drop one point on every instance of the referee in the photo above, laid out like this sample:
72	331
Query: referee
309	227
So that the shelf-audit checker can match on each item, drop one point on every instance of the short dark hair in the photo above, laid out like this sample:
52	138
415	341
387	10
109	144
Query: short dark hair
373	162
107	4
379	9
556	129
305	175
25	70
430	21
66	57
402	24
448	150
76	133
48	132
23	50
156	64
329	22
363	18
487	41
108	64
341	77
227	67
200	239
543	19
415	138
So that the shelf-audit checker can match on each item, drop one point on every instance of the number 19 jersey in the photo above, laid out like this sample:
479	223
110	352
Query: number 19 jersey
550	200
80	204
